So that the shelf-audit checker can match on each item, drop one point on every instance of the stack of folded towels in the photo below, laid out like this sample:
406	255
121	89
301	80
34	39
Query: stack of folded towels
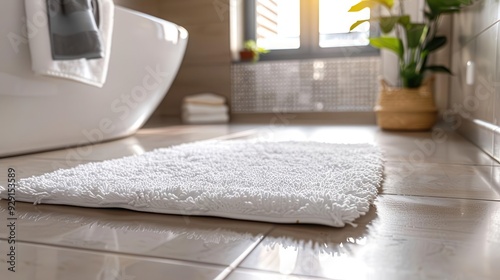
205	108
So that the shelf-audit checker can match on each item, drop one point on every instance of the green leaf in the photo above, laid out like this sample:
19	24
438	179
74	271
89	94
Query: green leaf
390	43
446	6
429	16
415	33
364	4
439	69
449	10
404	20
387	3
435	43
357	23
387	23
371	4
262	50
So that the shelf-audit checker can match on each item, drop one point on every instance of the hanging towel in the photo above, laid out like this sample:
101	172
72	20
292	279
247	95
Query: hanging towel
88	71
204	109
205	99
74	31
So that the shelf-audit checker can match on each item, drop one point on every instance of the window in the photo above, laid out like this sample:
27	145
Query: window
278	24
307	28
335	22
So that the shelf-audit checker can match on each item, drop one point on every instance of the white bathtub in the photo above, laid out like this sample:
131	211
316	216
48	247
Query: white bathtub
41	113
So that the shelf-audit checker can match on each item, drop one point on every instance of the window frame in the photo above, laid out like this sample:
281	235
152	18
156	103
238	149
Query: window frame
309	36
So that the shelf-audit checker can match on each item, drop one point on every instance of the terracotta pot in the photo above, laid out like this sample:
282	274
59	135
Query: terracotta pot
246	55
410	109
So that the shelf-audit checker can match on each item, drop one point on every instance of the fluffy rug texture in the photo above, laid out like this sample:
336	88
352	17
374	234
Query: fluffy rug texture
281	182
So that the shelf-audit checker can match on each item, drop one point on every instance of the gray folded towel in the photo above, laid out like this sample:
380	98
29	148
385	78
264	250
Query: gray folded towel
74	31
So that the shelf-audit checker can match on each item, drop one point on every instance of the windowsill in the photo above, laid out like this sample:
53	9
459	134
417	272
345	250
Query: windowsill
299	58
342	52
344	118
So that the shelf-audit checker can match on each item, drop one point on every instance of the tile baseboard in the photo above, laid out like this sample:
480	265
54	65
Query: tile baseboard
483	134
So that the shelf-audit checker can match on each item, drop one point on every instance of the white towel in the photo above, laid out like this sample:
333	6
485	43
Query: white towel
194	109
205	99
205	118
92	72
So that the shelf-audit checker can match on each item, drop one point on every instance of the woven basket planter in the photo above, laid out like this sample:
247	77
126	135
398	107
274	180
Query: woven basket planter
405	108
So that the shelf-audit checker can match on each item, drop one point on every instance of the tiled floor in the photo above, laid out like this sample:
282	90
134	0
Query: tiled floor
437	217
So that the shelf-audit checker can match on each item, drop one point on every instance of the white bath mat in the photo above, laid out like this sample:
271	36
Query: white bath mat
282	182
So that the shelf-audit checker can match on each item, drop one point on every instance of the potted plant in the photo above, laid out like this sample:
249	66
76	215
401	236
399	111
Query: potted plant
410	107
251	52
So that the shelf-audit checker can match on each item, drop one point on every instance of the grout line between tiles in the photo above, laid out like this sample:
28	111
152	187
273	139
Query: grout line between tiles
284	275
41	158
125	254
62	159
237	135
449	163
440	197
234	135
227	271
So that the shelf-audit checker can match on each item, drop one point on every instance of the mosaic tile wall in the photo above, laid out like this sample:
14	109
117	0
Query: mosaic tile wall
318	85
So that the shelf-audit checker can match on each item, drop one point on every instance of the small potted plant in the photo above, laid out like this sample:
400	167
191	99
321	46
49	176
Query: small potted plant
251	52
410	107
